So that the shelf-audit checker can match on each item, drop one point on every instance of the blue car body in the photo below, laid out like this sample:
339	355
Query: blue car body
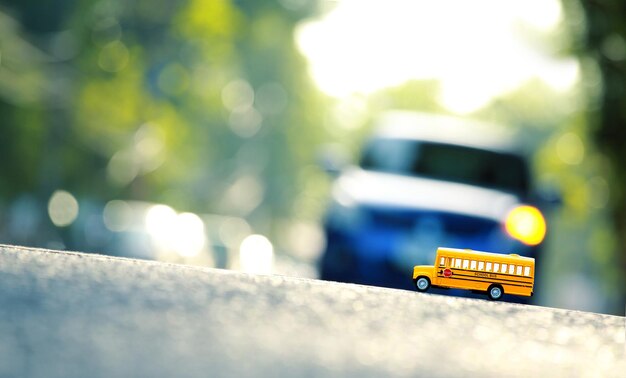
422	182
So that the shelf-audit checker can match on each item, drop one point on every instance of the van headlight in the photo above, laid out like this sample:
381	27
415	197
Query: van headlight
526	224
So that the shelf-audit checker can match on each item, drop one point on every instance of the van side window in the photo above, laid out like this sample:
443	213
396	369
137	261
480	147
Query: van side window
488	268
527	271
473	265
465	264
503	270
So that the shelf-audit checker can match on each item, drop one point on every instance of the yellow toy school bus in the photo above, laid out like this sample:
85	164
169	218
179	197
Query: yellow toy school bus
492	273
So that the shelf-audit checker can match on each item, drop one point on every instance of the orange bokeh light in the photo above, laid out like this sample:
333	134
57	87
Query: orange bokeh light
526	224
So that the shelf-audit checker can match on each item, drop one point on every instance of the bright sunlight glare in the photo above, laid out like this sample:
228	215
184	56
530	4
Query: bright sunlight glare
476	49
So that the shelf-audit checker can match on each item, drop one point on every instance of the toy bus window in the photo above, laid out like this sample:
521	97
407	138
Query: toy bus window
488	267
473	265
518	270
527	271
481	265
442	261
503	270
457	263
465	264
496	267
511	269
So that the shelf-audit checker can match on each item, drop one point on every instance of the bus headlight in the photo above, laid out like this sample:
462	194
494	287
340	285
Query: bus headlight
526	224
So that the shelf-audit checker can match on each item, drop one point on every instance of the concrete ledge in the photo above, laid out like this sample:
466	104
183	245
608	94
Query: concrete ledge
74	315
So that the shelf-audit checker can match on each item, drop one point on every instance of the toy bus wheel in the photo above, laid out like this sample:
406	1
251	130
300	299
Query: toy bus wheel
422	284
495	292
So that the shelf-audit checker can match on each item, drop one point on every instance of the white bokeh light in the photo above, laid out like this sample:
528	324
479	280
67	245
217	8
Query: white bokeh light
160	220
117	216
189	236
256	255
62	208
183	234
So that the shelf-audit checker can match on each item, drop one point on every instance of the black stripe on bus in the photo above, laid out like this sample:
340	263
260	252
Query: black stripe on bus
491	278
487	281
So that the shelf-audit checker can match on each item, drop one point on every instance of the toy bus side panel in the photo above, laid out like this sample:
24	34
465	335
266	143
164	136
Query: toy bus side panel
523	289
462	279
481	280
517	290
472	280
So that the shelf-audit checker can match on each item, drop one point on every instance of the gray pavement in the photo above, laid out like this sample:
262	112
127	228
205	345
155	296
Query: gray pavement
81	315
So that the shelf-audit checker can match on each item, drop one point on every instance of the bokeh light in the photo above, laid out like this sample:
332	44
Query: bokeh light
244	194
122	168
117	216
183	234
527	224
570	149
256	254
245	123
238	95
189	235
62	208
160	223
113	57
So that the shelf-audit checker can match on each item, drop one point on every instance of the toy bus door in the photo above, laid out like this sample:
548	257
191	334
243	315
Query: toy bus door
443	270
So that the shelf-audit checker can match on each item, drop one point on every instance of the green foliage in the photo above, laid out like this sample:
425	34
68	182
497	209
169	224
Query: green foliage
165	101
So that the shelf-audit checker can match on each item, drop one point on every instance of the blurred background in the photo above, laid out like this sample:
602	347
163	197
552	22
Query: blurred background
213	132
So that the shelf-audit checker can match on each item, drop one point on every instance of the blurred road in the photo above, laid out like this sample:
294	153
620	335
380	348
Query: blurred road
76	315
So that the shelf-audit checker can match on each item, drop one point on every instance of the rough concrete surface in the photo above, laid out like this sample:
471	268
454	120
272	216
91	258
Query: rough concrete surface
80	315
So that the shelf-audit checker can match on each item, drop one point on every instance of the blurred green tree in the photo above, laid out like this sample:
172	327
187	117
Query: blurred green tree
203	105
604	42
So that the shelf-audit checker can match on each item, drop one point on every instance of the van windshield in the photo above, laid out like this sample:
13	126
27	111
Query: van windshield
490	169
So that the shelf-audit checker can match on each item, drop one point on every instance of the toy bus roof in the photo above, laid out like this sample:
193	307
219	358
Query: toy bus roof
470	252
